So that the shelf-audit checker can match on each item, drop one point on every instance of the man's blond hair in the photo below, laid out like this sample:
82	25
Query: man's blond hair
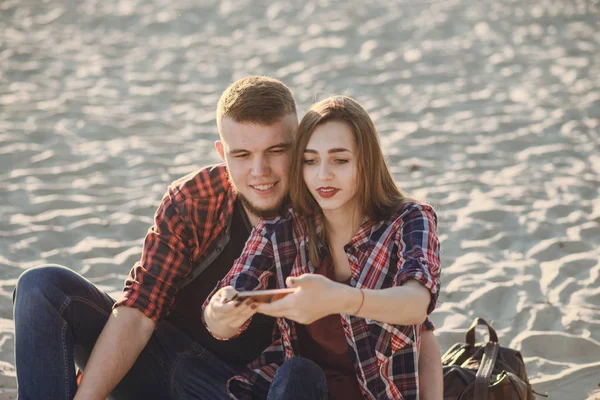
256	99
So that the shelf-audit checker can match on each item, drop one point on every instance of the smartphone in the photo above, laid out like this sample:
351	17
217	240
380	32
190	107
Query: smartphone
263	296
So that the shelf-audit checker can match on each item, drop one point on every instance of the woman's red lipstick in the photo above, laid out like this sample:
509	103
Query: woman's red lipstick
327	192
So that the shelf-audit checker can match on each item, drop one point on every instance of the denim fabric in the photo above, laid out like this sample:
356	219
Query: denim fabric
298	379
59	315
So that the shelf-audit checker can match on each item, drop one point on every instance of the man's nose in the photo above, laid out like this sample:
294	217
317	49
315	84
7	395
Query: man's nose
260	166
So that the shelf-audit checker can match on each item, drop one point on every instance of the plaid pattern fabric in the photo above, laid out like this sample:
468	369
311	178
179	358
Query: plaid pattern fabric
381	255
190	220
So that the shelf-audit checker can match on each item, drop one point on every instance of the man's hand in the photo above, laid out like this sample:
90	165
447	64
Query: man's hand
225	316
315	297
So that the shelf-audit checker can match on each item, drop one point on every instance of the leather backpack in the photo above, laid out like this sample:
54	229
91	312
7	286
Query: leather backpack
484	371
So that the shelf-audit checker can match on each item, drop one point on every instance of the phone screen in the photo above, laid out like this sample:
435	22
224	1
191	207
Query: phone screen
263	296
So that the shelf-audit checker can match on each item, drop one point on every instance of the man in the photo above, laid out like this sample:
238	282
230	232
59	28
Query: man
151	343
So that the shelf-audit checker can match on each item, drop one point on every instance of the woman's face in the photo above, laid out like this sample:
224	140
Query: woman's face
330	169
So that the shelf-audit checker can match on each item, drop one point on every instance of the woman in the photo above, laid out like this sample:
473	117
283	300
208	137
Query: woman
364	260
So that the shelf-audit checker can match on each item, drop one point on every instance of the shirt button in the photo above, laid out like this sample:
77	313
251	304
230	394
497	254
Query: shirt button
218	249
345	325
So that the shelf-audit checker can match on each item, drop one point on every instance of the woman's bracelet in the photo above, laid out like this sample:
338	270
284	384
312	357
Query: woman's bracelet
362	301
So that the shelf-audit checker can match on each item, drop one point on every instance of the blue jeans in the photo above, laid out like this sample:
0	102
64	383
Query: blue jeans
299	379
58	317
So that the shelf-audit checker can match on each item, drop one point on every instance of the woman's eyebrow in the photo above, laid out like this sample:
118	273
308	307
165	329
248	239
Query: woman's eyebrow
330	151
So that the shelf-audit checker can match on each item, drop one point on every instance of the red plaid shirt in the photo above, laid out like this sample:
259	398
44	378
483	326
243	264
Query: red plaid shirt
381	255
189	225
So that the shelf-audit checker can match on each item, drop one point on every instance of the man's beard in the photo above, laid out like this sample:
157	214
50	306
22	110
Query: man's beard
268	213
272	212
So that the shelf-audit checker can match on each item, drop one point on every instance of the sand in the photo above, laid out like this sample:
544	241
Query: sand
489	110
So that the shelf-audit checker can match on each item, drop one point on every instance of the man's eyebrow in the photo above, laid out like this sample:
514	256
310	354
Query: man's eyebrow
330	151
282	144
278	145
232	151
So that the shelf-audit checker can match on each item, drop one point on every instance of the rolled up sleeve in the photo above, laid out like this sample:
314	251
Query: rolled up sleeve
154	280
419	251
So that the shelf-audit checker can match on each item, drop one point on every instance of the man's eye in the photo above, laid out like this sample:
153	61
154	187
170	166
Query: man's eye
241	156
276	151
309	162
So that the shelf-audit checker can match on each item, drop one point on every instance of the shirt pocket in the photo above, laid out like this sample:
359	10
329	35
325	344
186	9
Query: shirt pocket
389	338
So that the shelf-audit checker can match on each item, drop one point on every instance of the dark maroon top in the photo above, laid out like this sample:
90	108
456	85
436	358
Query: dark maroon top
324	342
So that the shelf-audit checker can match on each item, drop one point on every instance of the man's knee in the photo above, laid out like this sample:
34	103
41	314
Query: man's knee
39	279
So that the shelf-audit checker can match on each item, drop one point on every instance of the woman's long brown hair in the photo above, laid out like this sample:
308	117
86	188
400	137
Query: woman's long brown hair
377	193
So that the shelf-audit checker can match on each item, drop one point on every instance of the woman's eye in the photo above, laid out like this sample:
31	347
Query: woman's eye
309	162
341	161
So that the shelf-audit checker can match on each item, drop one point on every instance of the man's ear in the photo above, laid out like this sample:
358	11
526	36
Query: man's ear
220	149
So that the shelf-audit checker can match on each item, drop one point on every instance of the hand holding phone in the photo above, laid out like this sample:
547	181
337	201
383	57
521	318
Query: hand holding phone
223	316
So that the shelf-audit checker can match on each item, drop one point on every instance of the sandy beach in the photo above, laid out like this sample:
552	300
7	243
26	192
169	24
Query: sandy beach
488	110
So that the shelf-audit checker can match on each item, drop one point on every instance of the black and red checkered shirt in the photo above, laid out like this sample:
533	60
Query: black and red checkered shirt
188	226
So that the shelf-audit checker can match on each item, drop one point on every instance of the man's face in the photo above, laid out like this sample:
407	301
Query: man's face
258	160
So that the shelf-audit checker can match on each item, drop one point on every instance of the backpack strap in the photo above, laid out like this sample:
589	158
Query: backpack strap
470	338
482	378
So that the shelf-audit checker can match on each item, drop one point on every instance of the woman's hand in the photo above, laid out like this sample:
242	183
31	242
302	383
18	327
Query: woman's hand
315	297
223	316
